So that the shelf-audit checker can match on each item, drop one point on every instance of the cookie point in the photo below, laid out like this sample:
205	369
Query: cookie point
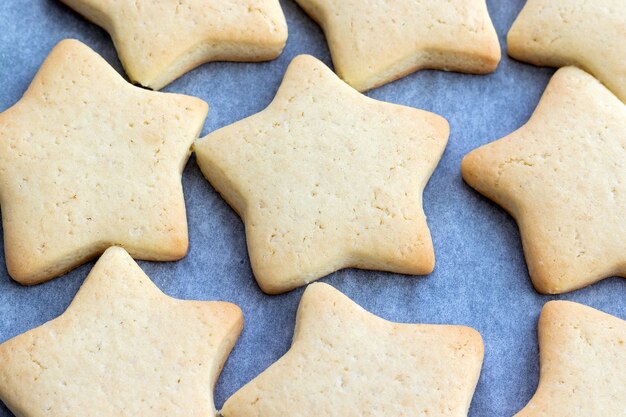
234	312
552	312
319	286
115	254
67	46
70	43
443	124
468	166
308	61
271	288
320	290
115	251
474	338
558	305
21	274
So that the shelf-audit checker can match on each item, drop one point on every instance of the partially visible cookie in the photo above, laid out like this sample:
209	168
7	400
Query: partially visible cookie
345	361
122	348
160	40
588	34
378	41
563	177
88	161
326	178
583	363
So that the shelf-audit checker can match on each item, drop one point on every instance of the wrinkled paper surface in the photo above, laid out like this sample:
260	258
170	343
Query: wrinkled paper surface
480	278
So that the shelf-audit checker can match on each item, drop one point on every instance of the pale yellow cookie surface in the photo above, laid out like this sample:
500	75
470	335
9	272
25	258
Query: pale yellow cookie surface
160	40
88	160
563	177
345	361
378	41
583	363
326	178
122	348
586	33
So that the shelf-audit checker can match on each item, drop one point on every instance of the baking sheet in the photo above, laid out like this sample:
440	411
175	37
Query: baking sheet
480	279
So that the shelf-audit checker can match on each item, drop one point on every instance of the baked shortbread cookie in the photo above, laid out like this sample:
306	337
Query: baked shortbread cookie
583	363
122	348
588	34
87	161
160	40
345	361
378	41
563	177
326	178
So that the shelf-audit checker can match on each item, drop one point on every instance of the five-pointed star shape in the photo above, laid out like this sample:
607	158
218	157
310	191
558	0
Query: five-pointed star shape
88	160
326	178
345	361
583	363
563	177
378	41
586	33
122	348
160	40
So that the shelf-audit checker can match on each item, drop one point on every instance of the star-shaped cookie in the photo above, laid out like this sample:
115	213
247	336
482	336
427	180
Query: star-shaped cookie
378	41
326	178
87	161
583	363
345	361
160	40
588	34
563	177
122	348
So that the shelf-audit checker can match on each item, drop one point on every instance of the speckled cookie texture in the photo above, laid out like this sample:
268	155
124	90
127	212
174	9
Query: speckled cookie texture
345	361
87	161
563	177
160	40
378	41
583	363
122	348
326	178
585	33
